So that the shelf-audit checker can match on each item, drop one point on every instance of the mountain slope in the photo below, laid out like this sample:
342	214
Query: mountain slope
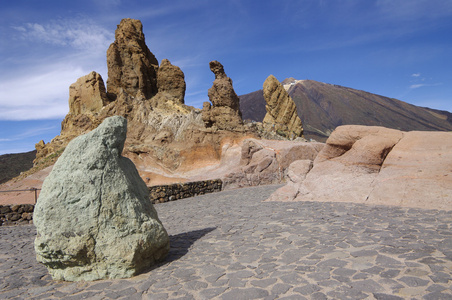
322	107
11	165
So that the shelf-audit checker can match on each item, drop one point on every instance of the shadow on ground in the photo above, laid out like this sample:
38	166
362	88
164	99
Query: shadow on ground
180	243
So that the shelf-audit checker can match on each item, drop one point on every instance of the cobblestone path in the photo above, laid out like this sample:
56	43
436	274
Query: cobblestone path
231	245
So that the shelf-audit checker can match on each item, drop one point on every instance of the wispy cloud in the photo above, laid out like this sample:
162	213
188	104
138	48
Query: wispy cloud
81	34
42	94
416	86
38	86
31	132
416	75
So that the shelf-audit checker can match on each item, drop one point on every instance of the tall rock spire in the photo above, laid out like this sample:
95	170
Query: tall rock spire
281	110
131	65
224	112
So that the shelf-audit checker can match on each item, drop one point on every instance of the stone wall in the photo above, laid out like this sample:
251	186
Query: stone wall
23	213
165	193
16	214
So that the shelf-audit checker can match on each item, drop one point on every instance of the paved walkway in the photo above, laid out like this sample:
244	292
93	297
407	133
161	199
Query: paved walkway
231	245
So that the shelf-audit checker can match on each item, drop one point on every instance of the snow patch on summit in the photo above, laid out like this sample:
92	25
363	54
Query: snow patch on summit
288	84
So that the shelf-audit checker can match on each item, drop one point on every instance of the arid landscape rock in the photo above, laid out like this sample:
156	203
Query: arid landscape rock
323	106
164	134
132	67
93	218
224	112
266	161
377	165
87	94
171	81
282	114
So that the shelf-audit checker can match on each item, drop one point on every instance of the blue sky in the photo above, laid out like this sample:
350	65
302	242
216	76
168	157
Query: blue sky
396	48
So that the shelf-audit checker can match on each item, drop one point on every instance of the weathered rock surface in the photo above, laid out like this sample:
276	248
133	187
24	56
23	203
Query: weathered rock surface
87	94
224	112
165	137
131	65
94	219
380	166
282	113
267	161
171	80
417	172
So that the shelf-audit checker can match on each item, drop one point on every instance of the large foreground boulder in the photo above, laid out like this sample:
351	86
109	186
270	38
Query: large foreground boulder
376	165
93	218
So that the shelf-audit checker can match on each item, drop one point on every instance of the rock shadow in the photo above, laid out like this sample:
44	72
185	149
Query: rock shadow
180	243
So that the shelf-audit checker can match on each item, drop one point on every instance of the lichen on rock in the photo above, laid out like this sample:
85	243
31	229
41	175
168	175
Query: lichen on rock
94	219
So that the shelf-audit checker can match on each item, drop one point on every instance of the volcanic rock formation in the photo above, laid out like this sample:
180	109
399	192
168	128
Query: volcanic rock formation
282	113
131	66
94	219
87	94
322	107
266	161
370	164
224	112
164	136
171	81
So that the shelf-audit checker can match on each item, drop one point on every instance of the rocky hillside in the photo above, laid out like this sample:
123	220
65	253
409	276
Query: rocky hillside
322	107
164	135
11	165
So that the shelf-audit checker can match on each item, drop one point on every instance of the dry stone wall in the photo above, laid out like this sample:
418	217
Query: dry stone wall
21	214
16	214
171	192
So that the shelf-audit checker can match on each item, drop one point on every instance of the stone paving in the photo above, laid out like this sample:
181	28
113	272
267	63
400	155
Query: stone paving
231	245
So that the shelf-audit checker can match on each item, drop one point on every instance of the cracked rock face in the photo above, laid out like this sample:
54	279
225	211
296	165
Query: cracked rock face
282	113
171	80
93	217
131	65
224	112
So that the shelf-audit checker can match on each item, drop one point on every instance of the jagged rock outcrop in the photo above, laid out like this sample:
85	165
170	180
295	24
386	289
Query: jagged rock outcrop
377	165
282	114
94	219
266	161
131	65
133	79
165	136
171	81
87	94
224	112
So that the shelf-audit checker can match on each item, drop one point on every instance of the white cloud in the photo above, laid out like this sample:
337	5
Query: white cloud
78	33
42	94
415	86
37	86
416	75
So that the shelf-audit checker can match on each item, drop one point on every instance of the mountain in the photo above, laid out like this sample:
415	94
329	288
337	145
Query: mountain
322	107
11	165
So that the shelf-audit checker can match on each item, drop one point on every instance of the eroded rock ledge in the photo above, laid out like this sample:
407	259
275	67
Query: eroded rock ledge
376	165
